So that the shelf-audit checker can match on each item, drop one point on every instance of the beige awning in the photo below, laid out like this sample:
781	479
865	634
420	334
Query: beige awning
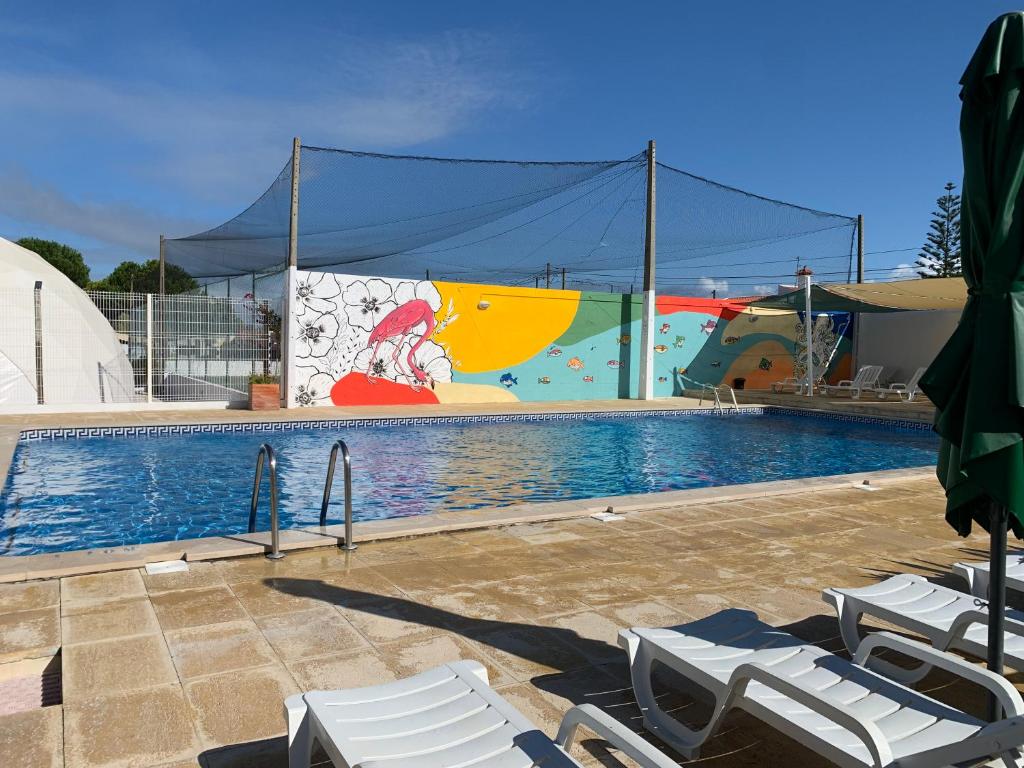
900	295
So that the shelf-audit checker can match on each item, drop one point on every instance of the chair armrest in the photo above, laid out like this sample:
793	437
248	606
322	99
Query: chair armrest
844	381
614	732
869	733
998	685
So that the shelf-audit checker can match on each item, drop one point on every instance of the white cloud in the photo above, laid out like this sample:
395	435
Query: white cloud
899	272
709	286
765	290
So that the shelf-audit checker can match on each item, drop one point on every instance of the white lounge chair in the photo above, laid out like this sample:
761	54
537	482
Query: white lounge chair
443	718
949	619
903	391
976	574
838	708
866	379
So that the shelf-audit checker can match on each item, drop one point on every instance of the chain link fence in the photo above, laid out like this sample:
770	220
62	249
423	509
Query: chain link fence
58	347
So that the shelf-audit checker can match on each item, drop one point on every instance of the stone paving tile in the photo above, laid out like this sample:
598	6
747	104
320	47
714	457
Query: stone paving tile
272	597
390	619
406	658
214	648
115	666
29	634
32	739
240	706
197	575
316	632
353	669
29	596
194	607
140	728
527	651
98	588
354	587
89	623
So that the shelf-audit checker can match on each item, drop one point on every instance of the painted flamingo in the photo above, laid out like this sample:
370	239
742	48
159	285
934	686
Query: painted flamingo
399	323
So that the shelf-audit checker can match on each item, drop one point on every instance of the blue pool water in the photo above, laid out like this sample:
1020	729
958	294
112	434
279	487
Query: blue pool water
108	491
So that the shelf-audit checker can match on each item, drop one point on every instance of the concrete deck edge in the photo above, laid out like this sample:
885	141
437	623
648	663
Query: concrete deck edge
44	566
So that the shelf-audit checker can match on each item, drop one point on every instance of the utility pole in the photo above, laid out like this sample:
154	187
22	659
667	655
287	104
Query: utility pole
162	262
291	278
428	275
563	278
547	272
860	248
646	389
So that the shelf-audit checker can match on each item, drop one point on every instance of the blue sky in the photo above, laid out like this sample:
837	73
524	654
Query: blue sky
128	120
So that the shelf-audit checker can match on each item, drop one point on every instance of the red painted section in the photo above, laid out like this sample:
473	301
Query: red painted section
725	308
359	389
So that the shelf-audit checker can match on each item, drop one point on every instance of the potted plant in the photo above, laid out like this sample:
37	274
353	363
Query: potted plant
264	393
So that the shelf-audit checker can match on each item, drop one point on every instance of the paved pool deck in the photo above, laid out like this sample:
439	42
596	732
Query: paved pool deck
190	669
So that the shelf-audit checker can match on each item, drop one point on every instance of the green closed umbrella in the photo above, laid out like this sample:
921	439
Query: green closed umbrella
977	380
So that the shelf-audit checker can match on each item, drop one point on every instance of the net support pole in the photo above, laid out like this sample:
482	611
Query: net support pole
563	278
162	267
860	248
646	388
547	275
290	322
804	275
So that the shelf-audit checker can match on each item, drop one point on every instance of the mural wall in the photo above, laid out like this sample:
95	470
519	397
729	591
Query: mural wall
363	341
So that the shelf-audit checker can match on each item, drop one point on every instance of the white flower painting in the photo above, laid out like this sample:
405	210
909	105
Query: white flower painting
376	327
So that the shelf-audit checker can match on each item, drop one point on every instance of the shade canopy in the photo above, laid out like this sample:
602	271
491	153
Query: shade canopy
977	379
898	296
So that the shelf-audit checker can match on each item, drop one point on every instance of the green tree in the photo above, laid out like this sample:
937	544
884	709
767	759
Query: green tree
61	257
132	277
940	255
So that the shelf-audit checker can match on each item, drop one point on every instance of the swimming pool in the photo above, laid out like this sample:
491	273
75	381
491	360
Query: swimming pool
99	491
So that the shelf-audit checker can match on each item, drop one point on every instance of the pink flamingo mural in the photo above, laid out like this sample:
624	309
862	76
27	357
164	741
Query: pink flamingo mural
399	324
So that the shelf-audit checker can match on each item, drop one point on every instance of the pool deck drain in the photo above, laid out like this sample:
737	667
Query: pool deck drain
211	653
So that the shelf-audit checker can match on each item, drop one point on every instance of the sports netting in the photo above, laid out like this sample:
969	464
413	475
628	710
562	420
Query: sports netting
521	223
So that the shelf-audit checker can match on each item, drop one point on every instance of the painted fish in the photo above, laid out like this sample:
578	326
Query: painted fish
554	352
716	364
683	371
614	363
678	343
588	379
662	379
660	348
664	327
765	364
575	363
544	380
708	326
730	339
508	380
624	339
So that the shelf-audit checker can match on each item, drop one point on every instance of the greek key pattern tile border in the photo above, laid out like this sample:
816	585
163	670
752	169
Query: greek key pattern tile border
71	433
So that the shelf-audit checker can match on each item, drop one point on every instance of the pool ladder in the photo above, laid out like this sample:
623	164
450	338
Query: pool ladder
718	400
266	456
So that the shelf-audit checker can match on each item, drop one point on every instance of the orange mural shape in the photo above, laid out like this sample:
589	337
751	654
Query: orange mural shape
357	389
748	365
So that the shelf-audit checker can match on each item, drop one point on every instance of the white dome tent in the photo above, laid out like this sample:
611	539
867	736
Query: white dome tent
64	347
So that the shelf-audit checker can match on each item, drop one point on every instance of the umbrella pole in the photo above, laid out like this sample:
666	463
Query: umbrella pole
996	598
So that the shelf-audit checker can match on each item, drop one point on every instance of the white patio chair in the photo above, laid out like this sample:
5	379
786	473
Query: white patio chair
903	391
949	619
443	718
867	378
976	574
842	710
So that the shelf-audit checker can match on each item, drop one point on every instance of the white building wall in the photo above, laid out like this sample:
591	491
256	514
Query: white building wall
903	341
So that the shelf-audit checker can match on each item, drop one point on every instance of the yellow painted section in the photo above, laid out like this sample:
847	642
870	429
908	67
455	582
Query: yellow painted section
517	324
472	393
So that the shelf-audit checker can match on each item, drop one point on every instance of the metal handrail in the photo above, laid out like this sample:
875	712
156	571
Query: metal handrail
718	401
346	458
267	453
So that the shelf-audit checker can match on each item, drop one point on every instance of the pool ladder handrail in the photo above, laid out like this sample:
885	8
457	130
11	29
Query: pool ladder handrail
718	400
266	453
346	459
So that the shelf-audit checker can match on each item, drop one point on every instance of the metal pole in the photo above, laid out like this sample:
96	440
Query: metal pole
149	347
162	263
536	281
37	302
287	319
547	279
428	275
646	389
860	249
563	278
808	330
996	598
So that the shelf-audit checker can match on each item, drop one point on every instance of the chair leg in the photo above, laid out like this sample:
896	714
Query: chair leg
300	737
849	620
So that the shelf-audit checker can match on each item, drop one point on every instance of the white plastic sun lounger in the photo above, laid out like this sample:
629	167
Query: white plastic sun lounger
976	574
949	619
866	379
842	710
907	391
443	718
